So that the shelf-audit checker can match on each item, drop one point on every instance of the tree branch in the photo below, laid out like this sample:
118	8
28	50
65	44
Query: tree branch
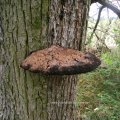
98	19
108	5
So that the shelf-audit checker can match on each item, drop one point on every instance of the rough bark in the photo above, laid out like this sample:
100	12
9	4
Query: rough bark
25	27
61	97
67	27
68	21
29	96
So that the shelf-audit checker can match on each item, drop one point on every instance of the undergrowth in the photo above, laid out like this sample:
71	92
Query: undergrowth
98	92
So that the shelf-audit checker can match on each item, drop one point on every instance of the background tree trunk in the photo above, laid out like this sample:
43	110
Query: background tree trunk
26	27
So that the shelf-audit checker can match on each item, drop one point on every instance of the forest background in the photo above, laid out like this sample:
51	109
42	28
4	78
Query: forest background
99	92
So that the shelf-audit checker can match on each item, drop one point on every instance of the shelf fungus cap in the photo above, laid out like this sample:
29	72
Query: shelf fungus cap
57	60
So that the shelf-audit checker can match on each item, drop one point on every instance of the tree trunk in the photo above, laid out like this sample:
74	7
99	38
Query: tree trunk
26	26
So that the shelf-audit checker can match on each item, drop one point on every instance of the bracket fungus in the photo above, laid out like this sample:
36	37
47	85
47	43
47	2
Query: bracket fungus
57	60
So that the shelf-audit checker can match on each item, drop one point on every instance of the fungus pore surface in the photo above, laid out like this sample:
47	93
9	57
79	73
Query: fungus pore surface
57	60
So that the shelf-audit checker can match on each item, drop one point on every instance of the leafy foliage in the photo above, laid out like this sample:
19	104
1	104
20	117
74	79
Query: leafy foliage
98	93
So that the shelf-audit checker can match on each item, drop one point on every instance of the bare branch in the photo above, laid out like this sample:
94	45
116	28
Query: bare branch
108	5
98	19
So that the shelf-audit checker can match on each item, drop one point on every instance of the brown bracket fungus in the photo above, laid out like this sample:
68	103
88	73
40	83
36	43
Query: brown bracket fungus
57	60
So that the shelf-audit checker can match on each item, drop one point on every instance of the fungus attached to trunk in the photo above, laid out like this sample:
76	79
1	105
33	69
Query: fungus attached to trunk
57	60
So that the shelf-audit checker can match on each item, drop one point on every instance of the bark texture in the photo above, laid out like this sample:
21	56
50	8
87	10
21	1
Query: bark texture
68	22
61	97
67	27
29	96
24	24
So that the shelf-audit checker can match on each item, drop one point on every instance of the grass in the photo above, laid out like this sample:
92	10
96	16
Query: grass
98	92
